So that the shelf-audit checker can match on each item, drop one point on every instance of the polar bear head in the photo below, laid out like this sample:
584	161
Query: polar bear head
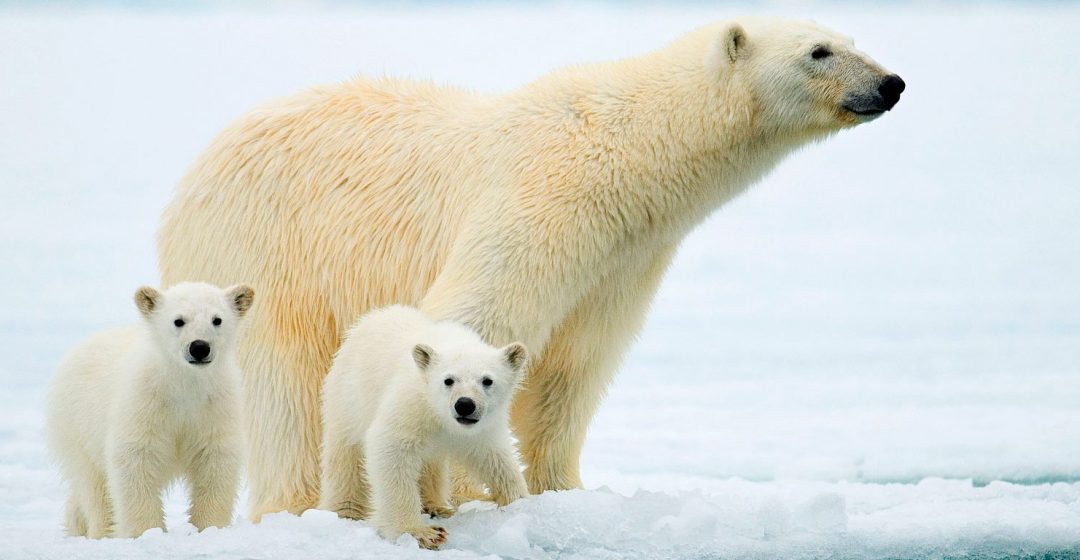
194	322
801	77
470	386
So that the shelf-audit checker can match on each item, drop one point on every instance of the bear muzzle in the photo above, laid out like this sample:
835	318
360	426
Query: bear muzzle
871	105
199	353
465	411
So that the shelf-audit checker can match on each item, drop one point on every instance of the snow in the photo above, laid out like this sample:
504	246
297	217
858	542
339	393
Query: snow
873	354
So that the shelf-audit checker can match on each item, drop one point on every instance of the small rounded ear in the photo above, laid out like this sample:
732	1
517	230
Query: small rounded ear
146	299
241	296
422	354
734	41
516	355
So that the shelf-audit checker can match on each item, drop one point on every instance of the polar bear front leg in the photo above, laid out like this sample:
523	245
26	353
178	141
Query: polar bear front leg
435	488
394	466
463	488
74	520
136	478
214	475
89	511
497	466
552	411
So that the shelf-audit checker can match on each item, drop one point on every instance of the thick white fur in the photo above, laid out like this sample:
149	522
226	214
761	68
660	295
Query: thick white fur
127	414
390	426
546	215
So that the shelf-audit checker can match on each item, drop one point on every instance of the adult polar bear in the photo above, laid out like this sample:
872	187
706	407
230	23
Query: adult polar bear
547	216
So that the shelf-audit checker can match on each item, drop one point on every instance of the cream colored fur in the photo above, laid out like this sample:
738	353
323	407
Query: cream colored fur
546	215
390	425
127	414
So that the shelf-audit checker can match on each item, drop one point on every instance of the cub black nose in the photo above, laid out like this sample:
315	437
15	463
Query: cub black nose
890	89
199	349
464	406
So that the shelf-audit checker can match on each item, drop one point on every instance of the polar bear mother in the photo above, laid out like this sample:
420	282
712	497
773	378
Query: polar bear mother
546	215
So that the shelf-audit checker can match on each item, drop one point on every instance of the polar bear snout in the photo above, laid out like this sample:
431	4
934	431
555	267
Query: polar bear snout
890	89
873	104
199	352
465	408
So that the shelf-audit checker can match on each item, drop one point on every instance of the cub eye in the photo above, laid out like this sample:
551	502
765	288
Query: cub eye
178	322
216	321
448	382
820	52
487	382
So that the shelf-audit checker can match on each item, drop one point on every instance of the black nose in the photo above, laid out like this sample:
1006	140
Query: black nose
464	406
199	349
890	89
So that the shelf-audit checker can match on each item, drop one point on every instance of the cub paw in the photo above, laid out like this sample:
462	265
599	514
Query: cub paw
430	538
439	511
465	490
504	497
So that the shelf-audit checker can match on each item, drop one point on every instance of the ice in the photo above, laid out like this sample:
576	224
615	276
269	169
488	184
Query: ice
873	354
823	513
774	517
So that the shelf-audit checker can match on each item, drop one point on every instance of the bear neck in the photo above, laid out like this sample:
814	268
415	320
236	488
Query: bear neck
660	136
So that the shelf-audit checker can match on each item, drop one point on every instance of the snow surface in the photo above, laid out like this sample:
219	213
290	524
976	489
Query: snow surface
873	354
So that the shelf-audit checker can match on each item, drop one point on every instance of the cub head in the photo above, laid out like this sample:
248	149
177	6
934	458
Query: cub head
802	77
471	388
194	322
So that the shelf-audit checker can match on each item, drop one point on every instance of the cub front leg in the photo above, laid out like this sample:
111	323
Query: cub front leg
89	511
498	467
136	478
214	475
395	463
463	488
435	488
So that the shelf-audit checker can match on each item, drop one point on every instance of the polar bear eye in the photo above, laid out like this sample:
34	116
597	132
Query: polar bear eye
820	52
178	322
448	382
487	382
216	321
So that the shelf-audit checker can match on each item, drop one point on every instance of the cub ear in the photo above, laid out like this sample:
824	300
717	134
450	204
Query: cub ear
422	354
734	41
241	296
516	355
146	299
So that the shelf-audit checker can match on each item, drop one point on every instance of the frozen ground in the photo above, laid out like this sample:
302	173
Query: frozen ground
875	353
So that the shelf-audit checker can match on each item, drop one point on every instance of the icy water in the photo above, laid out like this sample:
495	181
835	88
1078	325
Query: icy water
875	353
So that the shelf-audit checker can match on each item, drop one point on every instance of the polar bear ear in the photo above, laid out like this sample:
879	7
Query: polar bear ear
516	355
146	299
734	41
422	354
241	296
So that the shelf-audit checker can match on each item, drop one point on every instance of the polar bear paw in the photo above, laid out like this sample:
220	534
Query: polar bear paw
430	538
435	510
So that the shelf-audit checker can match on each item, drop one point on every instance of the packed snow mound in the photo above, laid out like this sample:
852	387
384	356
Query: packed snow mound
755	520
736	518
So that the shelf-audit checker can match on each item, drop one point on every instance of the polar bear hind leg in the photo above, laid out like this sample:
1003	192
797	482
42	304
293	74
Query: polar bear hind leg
281	407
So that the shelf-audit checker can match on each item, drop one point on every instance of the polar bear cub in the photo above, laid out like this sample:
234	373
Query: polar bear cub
404	395
132	409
